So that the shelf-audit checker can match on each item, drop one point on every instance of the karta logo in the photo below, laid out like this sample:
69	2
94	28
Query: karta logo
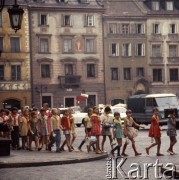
137	171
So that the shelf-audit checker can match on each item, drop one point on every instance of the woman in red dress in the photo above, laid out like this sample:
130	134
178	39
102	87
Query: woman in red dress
95	130
154	132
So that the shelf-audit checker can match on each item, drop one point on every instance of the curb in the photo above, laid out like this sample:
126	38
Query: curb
50	163
172	174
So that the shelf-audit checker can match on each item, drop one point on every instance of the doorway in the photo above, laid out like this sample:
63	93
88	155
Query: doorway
69	102
10	103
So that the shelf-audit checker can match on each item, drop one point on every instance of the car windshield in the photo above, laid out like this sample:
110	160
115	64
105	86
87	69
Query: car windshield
166	101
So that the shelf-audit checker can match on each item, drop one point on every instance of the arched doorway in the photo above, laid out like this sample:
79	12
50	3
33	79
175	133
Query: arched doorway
9	103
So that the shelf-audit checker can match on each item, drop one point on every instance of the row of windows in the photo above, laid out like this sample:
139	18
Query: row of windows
91	71
157	74
169	5
14	44
156	50
126	28
15	72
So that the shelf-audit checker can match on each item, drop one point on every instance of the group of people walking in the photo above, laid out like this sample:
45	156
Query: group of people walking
46	126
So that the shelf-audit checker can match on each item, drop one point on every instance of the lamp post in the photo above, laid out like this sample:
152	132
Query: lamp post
2	2
15	16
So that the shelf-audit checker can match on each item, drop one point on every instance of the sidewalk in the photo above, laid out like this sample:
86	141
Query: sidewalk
25	158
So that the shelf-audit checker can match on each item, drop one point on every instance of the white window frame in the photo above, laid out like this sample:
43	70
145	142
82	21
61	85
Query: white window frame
155	5
124	50
89	20
116	49
112	28
142	50
40	20
40	39
69	47
160	53
171	28
156	28
169	5
70	20
176	55
142	28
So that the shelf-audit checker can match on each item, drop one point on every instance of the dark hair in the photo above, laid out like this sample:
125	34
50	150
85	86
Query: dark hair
171	111
116	114
42	110
155	109
128	111
107	109
33	113
14	109
89	109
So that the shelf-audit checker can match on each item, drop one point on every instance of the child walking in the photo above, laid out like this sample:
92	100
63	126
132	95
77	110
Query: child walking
171	131
155	133
117	133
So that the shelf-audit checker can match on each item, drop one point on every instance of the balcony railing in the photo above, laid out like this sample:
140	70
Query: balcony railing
69	81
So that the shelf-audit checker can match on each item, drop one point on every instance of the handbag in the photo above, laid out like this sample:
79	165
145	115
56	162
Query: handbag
93	139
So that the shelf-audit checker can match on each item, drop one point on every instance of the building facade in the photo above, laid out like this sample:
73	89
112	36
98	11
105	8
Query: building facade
14	62
67	52
125	44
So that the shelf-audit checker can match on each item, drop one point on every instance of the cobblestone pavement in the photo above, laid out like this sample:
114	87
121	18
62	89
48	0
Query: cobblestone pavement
96	170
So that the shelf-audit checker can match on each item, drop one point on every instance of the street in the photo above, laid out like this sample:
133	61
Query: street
96	170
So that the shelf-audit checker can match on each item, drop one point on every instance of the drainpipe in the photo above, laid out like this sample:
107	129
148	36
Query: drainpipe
104	63
30	46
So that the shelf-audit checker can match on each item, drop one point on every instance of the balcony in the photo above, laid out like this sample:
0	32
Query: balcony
69	81
173	59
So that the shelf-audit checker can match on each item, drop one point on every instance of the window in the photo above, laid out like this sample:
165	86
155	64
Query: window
155	5
114	73
68	69
47	99
67	20
174	74
89	20
67	45
114	49
140	72
173	51
140	49
44	46
172	29
156	29
126	50
15	72
0	19
157	75
43	19
127	73
1	72
90	70
91	100
125	28
15	44
140	28
169	5
45	70
89	45
156	50
1	44
112	28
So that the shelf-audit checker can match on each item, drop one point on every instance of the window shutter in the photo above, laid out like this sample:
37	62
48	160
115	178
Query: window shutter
136	49
93	20
110	50
71	20
130	50
117	49
143	49
123	50
143	28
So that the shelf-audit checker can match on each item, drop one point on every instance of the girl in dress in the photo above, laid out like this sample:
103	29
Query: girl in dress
117	133
95	130
130	132
65	122
106	121
171	131
43	128
154	132
24	128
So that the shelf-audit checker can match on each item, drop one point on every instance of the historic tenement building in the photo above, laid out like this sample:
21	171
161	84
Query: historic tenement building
125	45
14	62
141	47
163	45
67	52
